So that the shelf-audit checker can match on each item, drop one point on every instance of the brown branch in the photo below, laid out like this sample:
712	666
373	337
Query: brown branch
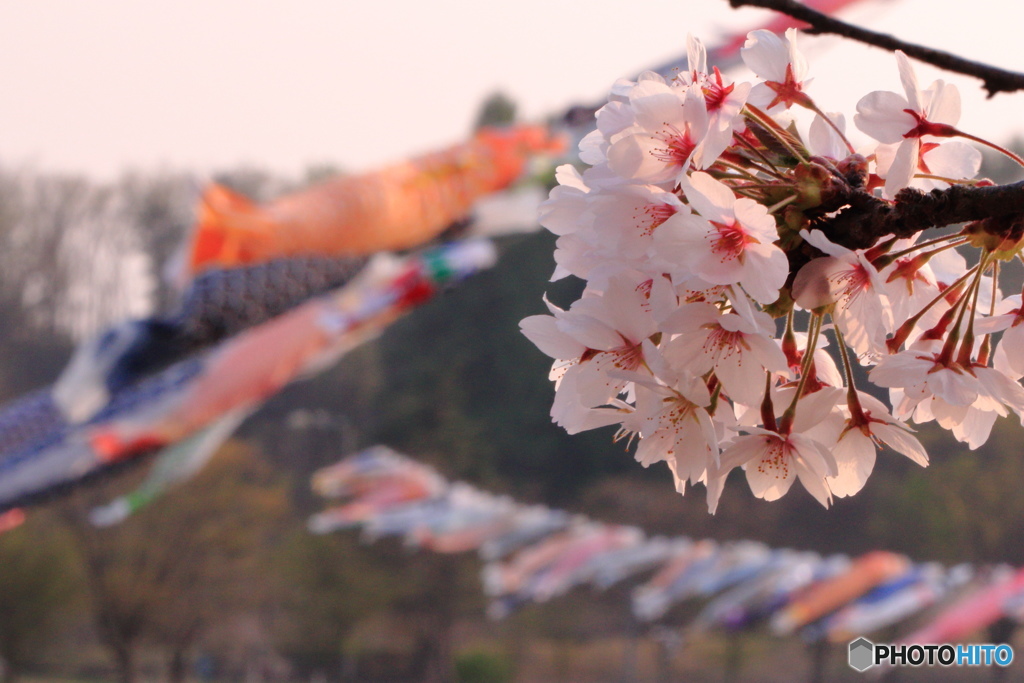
994	79
865	218
855	219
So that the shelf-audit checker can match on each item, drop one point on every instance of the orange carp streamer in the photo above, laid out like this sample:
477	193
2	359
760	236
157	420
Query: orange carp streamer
397	207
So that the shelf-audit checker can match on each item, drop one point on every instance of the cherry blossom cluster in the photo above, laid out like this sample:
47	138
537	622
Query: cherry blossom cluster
722	324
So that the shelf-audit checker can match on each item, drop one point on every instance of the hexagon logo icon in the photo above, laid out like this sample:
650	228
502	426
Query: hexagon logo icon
862	654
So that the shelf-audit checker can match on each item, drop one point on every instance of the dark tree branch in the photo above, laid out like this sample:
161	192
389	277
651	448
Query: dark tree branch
856	219
865	218
995	80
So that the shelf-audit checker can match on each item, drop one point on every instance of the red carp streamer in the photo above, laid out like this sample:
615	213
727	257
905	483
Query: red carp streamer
397	207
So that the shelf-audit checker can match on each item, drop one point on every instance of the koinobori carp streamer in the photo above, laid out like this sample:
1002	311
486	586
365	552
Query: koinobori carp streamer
397	207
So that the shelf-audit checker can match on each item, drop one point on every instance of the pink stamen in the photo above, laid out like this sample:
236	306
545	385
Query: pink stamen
715	93
656	214
678	147
731	240
774	459
852	282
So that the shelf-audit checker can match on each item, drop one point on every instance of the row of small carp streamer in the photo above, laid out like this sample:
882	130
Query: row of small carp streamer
533	554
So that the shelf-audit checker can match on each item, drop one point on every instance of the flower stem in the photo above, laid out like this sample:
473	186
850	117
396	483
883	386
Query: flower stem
904	331
746	145
814	107
785	202
954	335
991	145
922	245
852	400
814	329
774	128
986	345
739	169
967	346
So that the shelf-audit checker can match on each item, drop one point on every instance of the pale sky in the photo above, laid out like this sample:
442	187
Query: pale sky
105	85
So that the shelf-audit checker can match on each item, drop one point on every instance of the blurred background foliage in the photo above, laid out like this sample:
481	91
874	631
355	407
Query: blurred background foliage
219	580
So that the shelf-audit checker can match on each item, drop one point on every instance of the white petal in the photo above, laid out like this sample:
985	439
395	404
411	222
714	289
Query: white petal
904	166
909	80
881	115
626	309
901	370
956	388
823	140
817	239
745	449
767	352
953	159
633	157
656	104
812	286
814	483
944	106
815	455
901	441
796	58
975	428
815	408
766	54
710	198
1002	388
771	475
613	118
544	333
696	55
855	456
742	377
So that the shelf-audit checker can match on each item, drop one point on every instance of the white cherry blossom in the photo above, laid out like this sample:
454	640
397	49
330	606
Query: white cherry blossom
670	124
739	349
773	461
891	118
782	66
727	241
847	279
693	335
855	451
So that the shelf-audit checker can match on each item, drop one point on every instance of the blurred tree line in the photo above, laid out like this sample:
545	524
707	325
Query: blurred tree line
219	579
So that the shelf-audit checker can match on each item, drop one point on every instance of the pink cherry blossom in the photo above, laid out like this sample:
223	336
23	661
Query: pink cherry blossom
782	66
773	461
863	433
670	124
598	334
739	349
691	333
674	424
722	100
965	399
846	278
891	118
727	241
